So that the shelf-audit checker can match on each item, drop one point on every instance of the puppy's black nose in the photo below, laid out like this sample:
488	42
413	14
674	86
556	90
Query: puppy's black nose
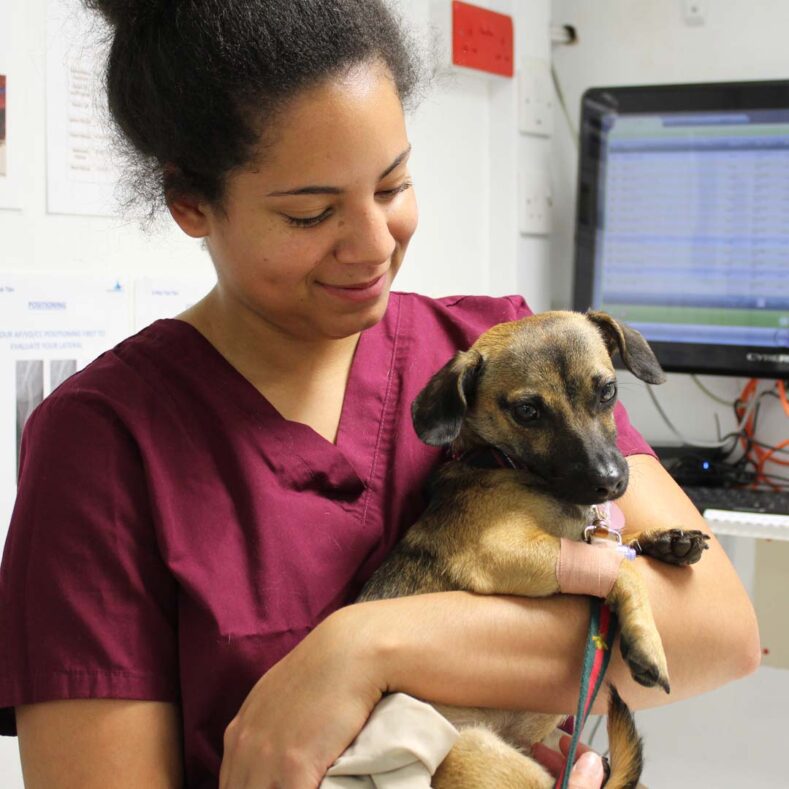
610	482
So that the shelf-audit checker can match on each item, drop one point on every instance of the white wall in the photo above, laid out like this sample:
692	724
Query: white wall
467	153
725	739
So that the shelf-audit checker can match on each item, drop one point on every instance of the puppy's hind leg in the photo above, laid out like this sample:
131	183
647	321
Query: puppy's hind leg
482	760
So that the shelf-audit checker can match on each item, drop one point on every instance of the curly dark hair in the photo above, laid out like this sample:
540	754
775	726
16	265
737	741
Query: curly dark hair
193	85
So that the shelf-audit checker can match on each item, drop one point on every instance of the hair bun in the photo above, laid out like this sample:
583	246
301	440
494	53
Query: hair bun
118	12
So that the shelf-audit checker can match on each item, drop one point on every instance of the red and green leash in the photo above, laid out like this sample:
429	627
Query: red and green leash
599	642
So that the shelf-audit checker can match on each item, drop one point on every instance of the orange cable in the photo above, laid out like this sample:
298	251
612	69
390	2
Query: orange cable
779	385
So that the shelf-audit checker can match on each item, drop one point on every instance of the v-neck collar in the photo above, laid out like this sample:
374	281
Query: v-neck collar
370	389
303	458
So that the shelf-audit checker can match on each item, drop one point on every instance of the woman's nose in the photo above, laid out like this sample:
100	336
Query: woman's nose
365	237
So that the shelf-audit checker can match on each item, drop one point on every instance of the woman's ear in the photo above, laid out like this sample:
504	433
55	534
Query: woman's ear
440	408
190	215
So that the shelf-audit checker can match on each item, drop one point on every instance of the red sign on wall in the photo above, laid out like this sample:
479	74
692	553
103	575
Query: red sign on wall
482	39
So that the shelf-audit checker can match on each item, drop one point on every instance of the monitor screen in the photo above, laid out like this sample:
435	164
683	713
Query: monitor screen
683	221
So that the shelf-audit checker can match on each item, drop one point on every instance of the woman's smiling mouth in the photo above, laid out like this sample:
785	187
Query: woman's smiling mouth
360	292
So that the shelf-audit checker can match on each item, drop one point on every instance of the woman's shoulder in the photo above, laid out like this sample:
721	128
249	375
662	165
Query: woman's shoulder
469	315
504	308
121	378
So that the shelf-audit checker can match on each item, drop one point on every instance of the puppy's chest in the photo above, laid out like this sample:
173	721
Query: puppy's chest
502	498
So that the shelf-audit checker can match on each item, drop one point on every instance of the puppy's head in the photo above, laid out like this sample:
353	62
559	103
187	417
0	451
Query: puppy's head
542	390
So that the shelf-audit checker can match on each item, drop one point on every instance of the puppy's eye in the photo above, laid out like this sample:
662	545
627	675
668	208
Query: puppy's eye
608	392
525	412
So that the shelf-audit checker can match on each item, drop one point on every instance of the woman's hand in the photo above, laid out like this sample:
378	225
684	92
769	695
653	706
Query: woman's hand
587	772
303	713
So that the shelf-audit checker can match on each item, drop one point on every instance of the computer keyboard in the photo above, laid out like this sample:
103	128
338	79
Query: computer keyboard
738	500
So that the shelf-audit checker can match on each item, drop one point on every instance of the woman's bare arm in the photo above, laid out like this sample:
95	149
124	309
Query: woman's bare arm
708	625
465	649
459	648
96	743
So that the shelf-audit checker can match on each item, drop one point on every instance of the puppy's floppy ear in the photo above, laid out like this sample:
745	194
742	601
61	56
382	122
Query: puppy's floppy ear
440	408
636	353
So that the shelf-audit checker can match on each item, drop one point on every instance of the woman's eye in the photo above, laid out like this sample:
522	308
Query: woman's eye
312	221
608	392
308	221
524	412
388	193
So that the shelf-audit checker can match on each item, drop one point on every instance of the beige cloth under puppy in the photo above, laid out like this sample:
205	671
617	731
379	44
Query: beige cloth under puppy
400	747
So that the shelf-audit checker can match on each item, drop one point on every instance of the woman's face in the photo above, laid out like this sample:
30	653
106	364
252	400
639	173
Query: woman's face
312	238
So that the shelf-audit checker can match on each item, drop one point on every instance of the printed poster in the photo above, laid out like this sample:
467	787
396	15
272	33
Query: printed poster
156	297
50	327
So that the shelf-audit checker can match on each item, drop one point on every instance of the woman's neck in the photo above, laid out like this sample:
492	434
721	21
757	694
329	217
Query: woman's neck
304	379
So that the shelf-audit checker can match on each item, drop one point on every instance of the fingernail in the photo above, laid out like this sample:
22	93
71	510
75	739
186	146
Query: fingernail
588	765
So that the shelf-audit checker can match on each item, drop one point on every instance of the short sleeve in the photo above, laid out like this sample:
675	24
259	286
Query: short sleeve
88	608
520	309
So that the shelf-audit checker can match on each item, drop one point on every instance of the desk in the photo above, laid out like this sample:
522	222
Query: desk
748	524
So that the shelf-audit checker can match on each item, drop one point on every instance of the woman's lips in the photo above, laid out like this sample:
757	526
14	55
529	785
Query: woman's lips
361	292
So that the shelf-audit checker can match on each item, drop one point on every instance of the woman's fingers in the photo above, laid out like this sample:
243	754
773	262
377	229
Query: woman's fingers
301	714
587	773
548	758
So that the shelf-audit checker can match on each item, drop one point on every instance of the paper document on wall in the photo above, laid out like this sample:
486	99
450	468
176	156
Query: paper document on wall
81	175
156	297
50	327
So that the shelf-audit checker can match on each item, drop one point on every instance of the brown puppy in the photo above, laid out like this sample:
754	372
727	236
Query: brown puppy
542	391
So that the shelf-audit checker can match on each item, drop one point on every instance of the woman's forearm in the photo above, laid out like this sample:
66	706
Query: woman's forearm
703	613
464	649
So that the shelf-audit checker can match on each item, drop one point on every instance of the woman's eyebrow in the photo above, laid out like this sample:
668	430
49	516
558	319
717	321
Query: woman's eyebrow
334	190
396	163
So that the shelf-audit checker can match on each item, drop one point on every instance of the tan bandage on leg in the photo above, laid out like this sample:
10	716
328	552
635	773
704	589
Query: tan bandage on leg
587	569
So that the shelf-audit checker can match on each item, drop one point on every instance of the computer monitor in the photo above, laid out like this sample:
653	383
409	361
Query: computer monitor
682	225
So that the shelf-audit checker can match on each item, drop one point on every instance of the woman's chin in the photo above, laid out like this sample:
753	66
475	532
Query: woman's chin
361	320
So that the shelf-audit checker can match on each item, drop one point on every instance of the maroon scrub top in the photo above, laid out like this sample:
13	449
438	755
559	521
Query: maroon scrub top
174	536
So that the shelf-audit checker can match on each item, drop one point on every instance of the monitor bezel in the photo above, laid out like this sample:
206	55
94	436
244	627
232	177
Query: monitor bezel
737	360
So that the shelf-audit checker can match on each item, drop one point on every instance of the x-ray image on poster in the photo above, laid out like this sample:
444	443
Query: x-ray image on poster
31	384
50	327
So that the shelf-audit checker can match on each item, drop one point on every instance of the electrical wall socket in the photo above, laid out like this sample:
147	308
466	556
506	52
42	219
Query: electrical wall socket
535	97
694	12
535	203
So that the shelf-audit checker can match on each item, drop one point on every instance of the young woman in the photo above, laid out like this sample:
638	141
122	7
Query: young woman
197	507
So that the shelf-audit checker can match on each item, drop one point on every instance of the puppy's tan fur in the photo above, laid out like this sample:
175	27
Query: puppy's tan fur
537	389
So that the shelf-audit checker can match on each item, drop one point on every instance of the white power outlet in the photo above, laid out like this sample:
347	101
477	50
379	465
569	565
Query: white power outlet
694	12
536	204
535	97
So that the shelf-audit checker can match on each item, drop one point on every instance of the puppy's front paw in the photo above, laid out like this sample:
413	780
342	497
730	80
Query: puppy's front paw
674	546
645	657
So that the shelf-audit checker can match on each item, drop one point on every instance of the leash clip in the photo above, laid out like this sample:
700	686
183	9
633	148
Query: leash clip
591	534
600	532
600	523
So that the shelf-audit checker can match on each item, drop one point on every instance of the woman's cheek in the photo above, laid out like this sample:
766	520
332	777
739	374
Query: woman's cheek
407	221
